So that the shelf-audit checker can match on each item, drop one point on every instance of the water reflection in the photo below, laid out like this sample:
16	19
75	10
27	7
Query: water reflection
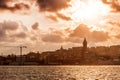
60	73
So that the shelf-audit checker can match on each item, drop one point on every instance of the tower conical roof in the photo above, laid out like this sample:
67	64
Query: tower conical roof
61	48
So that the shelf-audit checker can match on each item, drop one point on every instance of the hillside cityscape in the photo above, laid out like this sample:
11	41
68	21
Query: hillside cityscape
84	55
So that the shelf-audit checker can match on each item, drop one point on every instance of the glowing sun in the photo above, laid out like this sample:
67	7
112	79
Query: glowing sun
89	11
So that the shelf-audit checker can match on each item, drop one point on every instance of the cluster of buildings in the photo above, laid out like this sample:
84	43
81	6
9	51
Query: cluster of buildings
83	55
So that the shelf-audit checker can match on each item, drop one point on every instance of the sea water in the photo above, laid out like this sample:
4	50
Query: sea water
59	72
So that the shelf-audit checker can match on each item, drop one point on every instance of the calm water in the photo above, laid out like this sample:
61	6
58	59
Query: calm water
60	73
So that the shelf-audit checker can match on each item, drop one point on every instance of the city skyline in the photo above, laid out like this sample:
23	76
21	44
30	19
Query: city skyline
21	50
83	55
44	25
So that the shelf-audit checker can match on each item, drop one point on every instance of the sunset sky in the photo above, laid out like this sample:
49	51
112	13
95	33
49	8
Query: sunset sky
44	25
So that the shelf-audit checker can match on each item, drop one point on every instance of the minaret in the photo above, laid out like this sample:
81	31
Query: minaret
84	50
61	48
84	44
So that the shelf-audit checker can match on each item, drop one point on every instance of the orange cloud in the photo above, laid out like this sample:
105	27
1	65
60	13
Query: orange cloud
52	38
94	36
59	16
9	25
81	31
52	5
35	26
63	17
21	35
5	27
54	18
5	5
115	4
76	35
114	23
118	36
55	36
99	36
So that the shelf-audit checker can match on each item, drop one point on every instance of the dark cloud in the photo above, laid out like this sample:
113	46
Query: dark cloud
11	31
4	5
59	16
20	6
115	4
20	35
63	17
2	35
52	5
99	36
35	26
5	27
33	38
95	36
76	35
74	39
81	31
52	38
114	23
118	36
9	25
54	18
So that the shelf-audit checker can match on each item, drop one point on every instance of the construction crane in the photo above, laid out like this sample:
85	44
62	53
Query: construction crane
21	47
21	50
